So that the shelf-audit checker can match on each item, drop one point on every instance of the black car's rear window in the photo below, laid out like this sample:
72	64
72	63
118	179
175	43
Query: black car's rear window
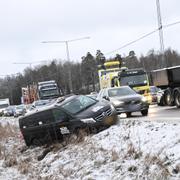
45	117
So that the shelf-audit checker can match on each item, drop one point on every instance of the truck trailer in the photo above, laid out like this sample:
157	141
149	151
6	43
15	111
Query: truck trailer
168	79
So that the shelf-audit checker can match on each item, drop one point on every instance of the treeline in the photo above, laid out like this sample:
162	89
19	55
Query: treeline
83	75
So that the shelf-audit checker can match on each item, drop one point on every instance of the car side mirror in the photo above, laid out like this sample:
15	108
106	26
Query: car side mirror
106	98
33	107
138	91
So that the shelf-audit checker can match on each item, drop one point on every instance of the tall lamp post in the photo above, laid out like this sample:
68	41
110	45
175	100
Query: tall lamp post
66	42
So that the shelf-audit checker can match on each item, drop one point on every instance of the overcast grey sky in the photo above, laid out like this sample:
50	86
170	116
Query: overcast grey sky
24	24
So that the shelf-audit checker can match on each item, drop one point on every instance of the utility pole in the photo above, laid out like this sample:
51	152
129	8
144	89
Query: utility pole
161	39
68	56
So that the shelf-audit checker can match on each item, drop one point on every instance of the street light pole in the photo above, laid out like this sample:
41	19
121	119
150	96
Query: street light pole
68	55
29	63
67	50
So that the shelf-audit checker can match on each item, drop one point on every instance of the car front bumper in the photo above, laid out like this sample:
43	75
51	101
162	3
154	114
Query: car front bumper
132	108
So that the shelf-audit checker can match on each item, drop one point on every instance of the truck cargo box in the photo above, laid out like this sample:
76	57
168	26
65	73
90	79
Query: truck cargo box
167	77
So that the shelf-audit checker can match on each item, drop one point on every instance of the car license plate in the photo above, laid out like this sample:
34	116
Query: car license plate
64	130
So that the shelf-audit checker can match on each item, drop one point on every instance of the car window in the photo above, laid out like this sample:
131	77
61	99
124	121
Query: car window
45	117
20	107
121	92
60	115
78	104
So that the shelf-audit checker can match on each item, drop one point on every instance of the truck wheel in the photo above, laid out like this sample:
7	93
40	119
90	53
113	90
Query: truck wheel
144	112
177	99
168	97
162	102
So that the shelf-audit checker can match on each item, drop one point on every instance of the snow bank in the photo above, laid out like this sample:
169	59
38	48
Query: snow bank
128	150
9	120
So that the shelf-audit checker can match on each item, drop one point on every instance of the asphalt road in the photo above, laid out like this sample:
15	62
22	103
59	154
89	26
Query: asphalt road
158	113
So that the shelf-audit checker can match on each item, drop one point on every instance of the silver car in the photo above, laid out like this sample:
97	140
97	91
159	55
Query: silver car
20	110
125	100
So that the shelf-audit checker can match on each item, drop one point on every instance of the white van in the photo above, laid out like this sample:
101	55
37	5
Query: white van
4	103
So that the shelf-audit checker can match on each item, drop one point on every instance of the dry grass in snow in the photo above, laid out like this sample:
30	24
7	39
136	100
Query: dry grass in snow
129	150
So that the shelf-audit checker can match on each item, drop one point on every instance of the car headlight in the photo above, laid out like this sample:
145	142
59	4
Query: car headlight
117	103
88	120
144	99
112	107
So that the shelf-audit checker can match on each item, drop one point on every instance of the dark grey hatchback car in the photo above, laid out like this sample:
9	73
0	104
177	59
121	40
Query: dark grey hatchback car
125	100
66	116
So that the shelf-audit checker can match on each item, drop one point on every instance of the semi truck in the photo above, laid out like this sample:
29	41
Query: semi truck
40	91
111	74
137	79
48	90
168	79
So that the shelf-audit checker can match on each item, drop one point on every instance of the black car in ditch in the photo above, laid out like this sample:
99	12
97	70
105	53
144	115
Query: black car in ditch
66	115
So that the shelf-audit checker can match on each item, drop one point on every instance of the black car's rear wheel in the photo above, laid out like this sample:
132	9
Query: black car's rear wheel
128	114
144	112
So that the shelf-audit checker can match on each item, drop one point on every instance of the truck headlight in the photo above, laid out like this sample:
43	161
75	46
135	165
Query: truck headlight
88	120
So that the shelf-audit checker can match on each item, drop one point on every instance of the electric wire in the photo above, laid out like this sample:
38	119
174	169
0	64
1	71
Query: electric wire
134	41
142	37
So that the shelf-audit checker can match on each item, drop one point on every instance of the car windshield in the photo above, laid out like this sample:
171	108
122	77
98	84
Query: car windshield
41	102
20	107
134	80
10	108
3	106
49	92
78	104
121	92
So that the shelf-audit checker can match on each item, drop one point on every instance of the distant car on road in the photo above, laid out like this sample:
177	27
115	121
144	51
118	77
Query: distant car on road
160	98
19	110
9	111
67	116
125	100
40	103
153	92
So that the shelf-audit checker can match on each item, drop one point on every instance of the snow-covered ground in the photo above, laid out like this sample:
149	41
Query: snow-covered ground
129	150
